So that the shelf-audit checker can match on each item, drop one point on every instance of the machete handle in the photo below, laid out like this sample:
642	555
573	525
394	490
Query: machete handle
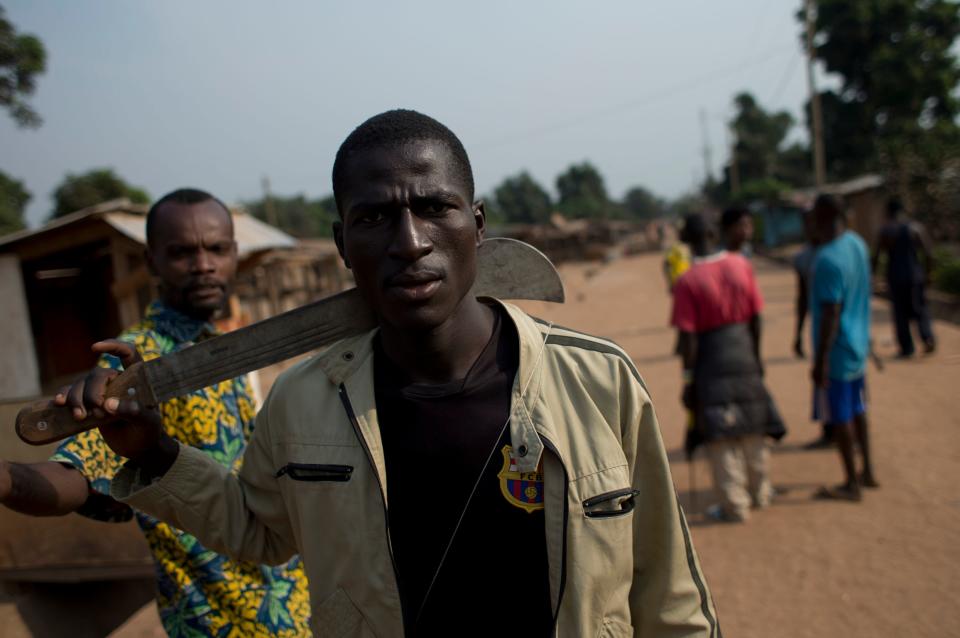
45	422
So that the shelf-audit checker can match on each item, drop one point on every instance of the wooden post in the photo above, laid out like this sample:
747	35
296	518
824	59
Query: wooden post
816	114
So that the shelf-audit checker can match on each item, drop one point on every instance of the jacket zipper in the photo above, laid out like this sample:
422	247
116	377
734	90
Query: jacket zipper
342	390
547	443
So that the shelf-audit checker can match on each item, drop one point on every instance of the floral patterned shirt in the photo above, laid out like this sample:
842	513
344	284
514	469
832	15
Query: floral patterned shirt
199	592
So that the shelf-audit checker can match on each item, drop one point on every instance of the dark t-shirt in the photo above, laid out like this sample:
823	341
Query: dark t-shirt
438	440
903	264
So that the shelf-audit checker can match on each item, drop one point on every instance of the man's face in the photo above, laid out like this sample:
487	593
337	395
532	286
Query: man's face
409	233
194	254
741	232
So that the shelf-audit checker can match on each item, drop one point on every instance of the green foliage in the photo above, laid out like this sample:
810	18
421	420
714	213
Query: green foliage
22	59
762	161
521	200
297	215
767	189
849	144
897	107
687	204
13	203
946	274
759	136
641	204
583	194
93	187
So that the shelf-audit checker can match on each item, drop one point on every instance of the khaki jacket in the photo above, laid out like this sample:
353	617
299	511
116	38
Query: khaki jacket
620	556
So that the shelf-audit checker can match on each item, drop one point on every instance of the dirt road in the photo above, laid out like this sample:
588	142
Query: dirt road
806	568
802	568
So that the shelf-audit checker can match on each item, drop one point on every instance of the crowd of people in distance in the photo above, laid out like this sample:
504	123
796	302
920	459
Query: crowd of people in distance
716	310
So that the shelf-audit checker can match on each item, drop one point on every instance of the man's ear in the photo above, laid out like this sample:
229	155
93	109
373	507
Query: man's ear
480	218
338	238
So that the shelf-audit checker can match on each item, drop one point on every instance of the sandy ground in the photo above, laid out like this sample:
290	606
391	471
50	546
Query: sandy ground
806	568
802	568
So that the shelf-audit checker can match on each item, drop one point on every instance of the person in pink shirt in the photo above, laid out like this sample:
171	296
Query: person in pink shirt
716	309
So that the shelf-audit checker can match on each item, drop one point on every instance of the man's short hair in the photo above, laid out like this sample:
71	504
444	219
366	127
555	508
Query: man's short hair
180	196
695	230
830	204
894	206
392	129
733	215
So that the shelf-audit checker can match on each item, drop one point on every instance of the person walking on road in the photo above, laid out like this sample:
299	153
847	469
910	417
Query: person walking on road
840	318
716	308
909	264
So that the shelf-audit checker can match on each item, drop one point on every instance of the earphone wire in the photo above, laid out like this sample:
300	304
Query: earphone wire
476	484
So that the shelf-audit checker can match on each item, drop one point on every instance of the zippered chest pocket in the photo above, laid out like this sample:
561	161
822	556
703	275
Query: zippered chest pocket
610	504
315	466
313	472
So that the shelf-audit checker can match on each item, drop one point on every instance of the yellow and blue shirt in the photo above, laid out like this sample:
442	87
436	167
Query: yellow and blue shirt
199	592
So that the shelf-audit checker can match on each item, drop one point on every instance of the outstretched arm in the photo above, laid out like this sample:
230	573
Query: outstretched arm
42	489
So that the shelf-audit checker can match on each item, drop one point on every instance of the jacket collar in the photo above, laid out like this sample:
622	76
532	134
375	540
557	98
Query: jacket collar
350	362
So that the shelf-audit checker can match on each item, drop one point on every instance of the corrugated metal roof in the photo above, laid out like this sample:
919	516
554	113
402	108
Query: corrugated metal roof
252	234
129	219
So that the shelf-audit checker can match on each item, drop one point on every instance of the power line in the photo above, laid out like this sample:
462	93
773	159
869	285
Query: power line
645	100
785	79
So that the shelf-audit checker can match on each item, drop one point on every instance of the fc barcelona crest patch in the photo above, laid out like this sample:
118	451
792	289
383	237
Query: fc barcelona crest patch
521	489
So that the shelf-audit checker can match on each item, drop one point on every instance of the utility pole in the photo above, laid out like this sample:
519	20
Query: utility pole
707	152
268	205
734	164
816	133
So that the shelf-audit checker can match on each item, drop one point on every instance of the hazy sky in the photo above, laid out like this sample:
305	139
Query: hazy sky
218	94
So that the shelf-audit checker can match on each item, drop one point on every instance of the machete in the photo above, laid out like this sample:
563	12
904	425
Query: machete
506	269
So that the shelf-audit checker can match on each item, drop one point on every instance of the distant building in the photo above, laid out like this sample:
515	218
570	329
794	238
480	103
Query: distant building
865	198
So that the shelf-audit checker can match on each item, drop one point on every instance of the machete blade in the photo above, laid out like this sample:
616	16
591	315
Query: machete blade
506	269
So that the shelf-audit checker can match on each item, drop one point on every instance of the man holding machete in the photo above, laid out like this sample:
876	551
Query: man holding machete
463	469
191	248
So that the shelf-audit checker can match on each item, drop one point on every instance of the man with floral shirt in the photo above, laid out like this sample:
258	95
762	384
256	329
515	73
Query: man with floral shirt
199	592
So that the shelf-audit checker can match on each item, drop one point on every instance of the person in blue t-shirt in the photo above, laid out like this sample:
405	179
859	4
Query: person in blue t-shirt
803	266
840	318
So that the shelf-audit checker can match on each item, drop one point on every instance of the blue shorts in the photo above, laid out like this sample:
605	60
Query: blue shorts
840	401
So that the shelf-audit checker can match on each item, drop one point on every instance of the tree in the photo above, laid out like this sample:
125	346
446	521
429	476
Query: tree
687	204
897	107
13	203
297	215
850	148
759	137
583	193
22	59
96	186
521	200
763	165
642	204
